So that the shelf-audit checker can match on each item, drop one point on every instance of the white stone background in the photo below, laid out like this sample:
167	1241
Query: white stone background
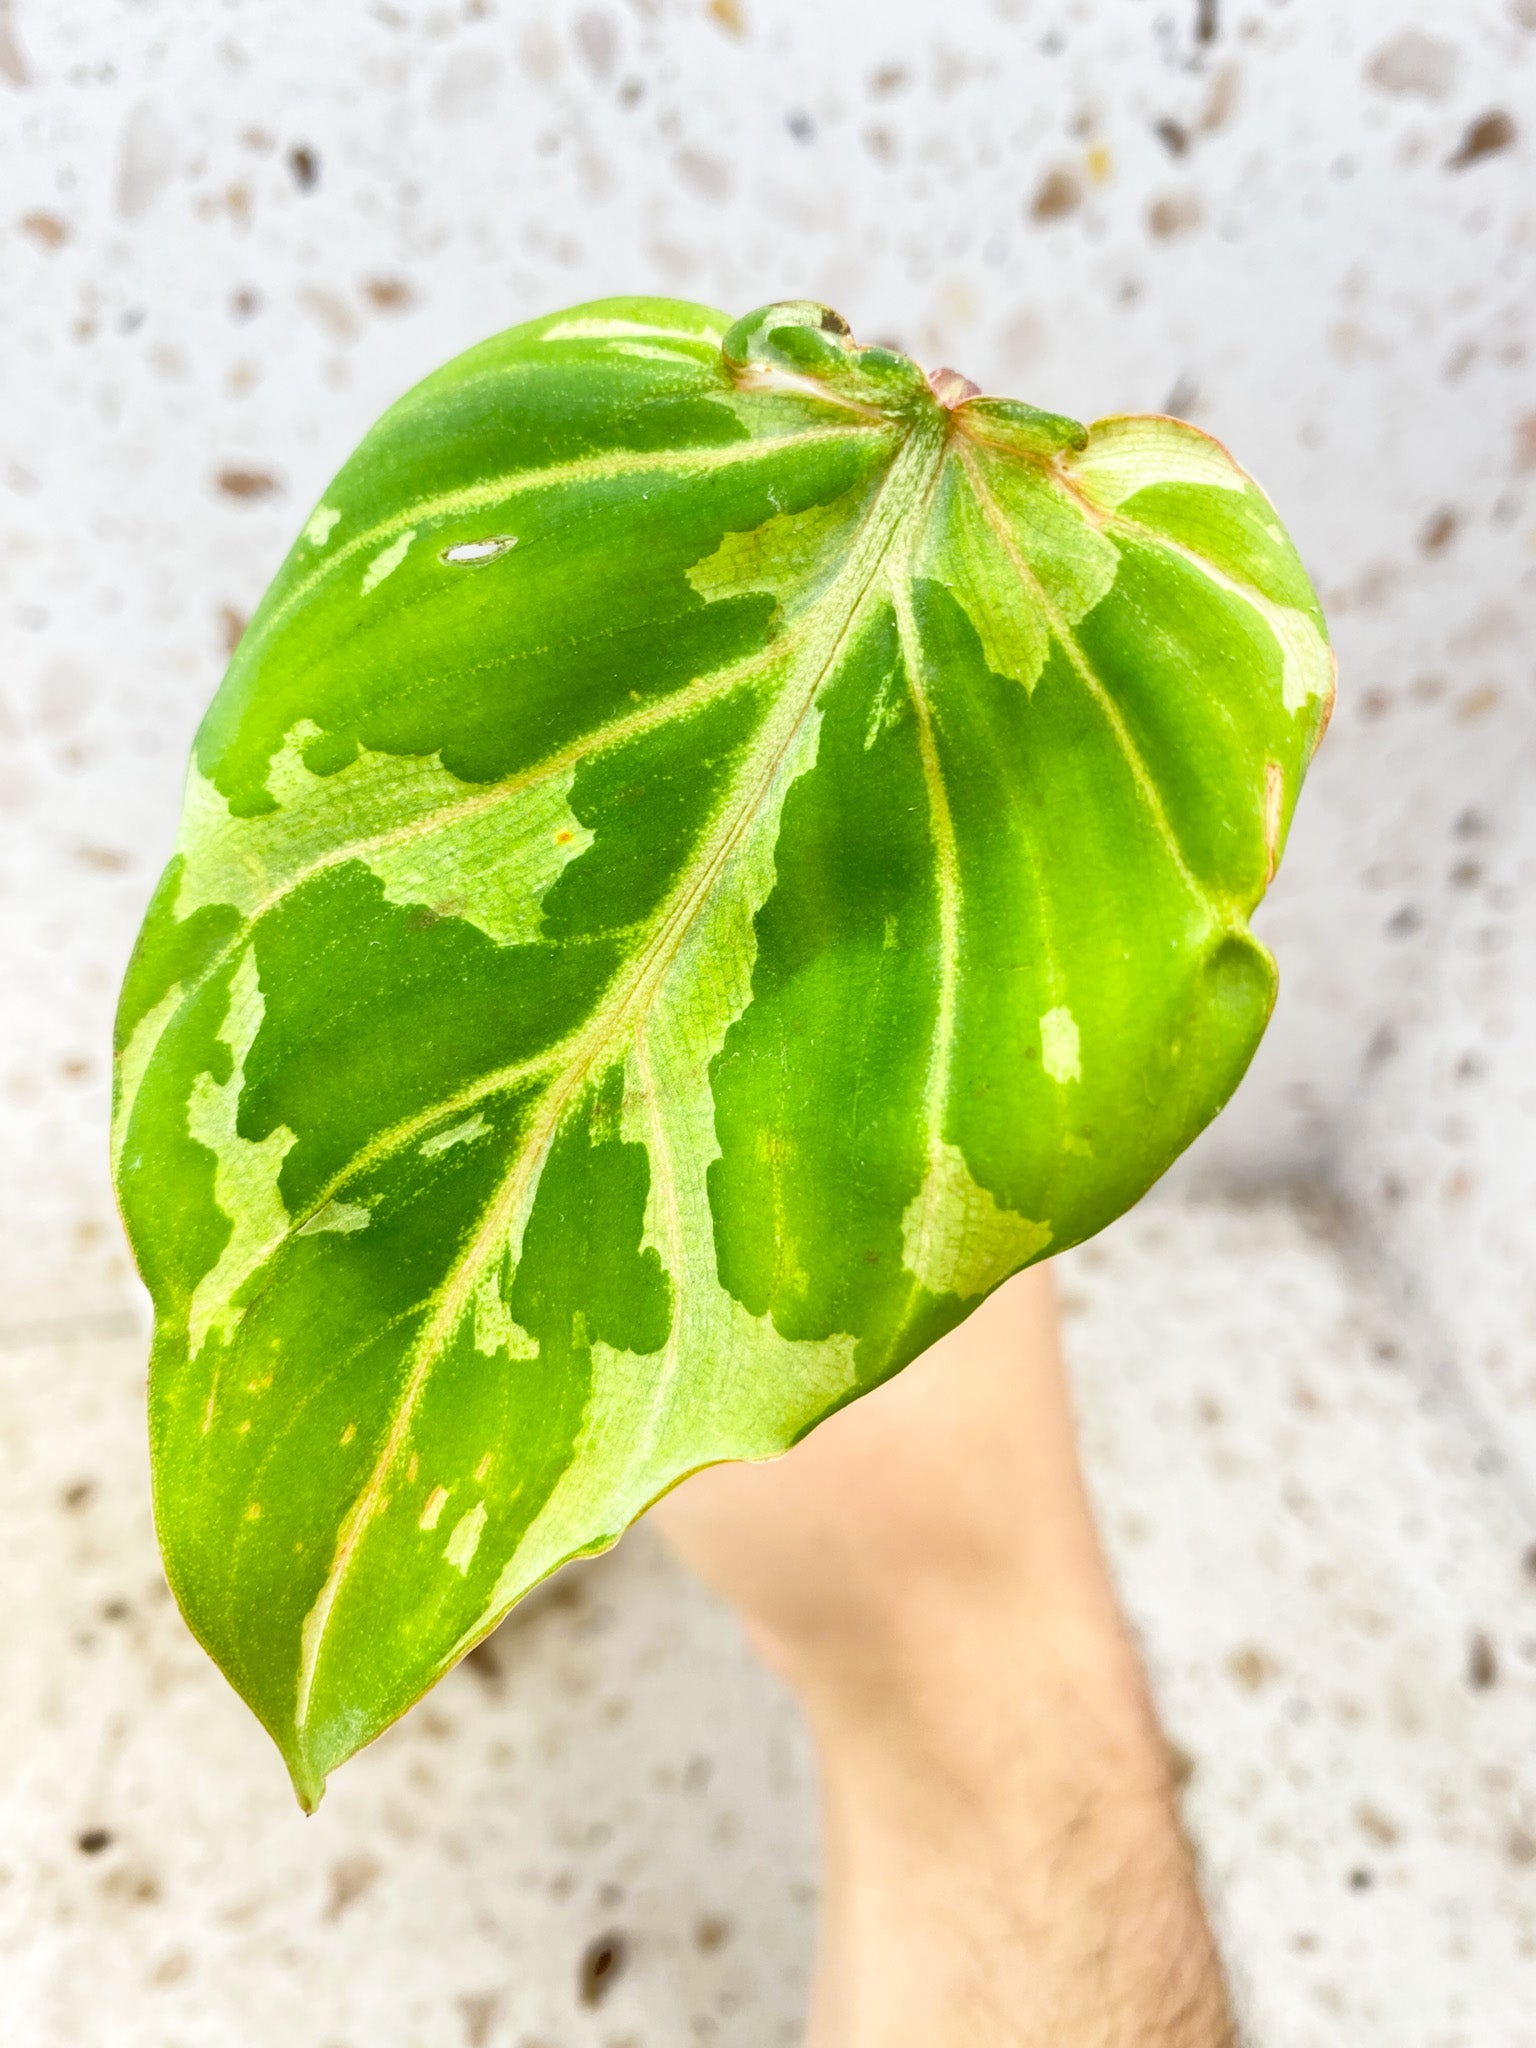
230	232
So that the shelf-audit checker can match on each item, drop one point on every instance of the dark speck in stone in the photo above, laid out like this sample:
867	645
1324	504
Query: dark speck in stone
1486	136
602	1964
711	1932
1482	1663
1439	530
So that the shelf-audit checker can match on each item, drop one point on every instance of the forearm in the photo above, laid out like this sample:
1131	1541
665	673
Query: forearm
1003	1861
1003	1864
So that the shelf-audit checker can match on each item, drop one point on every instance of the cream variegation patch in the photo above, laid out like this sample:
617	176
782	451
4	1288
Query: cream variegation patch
494	865
387	561
494	1326
245	1183
1013	596
335	1216
611	327
1306	661
465	1539
964	554
461	849
794	555
1060	1045
1036	524
133	1062
656	352
464	1133
1125	455
956	1239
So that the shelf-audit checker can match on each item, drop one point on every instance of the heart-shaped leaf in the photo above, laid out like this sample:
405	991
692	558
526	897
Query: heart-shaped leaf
712	853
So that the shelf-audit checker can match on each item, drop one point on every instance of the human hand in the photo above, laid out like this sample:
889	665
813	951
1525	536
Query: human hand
1003	1861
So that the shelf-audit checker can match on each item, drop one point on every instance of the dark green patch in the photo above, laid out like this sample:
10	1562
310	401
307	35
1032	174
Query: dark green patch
647	803
819	1085
165	1177
584	1277
170	950
373	1016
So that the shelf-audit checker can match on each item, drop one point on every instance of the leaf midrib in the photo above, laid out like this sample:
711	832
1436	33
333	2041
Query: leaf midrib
920	454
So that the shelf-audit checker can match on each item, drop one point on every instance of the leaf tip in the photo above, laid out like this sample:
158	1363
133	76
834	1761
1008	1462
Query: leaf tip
308	1780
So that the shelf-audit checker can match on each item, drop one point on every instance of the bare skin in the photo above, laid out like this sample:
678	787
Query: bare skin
1003	1865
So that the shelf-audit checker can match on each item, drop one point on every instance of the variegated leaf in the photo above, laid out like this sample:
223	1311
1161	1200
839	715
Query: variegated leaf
712	853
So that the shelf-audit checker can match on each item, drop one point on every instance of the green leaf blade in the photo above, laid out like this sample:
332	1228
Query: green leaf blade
705	862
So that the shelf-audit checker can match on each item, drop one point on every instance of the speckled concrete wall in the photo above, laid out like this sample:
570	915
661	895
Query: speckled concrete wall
230	232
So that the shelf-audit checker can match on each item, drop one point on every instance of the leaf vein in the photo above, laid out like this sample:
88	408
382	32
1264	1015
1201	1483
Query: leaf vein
493	492
1072	647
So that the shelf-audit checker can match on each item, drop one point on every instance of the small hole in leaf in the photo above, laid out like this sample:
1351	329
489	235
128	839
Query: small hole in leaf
469	552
